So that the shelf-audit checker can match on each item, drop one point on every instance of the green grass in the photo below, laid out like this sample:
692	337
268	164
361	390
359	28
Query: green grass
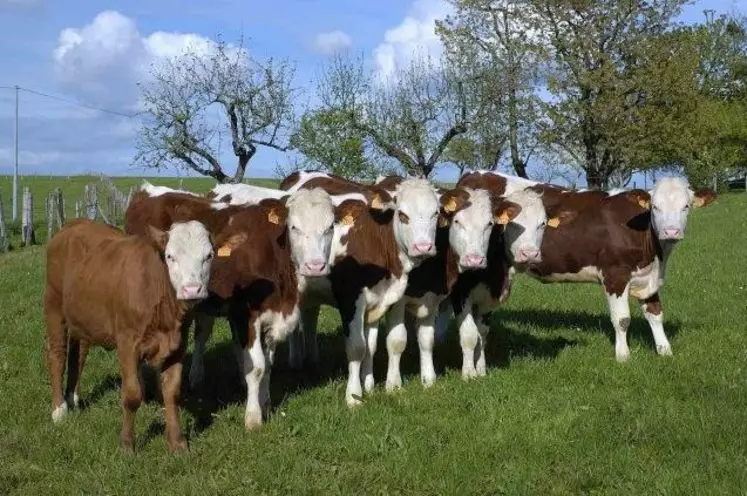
555	415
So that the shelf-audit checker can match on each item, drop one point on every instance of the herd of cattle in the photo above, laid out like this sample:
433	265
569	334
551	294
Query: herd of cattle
267	259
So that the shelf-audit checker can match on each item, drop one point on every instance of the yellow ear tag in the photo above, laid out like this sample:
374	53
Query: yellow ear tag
554	222
376	203
348	220
643	203
450	205
503	219
443	221
224	251
273	217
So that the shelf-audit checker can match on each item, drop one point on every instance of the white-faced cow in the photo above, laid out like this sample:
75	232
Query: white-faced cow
619	240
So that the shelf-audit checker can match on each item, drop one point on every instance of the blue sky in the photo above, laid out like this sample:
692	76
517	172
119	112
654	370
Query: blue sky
95	52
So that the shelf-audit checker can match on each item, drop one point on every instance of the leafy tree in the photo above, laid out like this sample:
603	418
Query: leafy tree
329	142
195	96
606	99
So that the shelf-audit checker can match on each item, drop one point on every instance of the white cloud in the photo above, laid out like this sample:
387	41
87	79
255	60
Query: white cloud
331	42
415	34
103	61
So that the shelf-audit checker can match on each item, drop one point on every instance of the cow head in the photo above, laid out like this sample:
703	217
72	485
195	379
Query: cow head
671	200
310	221
524	217
469	214
188	251
415	217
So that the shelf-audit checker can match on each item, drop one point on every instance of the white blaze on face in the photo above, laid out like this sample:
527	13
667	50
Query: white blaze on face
671	200
523	235
416	217
469	233
310	223
189	255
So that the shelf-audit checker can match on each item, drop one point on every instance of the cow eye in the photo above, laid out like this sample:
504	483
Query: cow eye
169	257
687	207
209	256
330	228
403	218
294	228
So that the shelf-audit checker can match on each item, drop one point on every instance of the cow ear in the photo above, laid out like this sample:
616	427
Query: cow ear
704	197
158	237
505	212
378	199
453	199
227	246
562	217
276	211
348	211
639	197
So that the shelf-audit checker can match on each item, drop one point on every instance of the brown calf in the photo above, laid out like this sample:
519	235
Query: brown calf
109	289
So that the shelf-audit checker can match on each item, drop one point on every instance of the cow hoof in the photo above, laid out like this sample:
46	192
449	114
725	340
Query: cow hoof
622	356
59	413
480	371
179	446
664	350
369	383
127	447
394	384
428	380
468	374
253	420
353	402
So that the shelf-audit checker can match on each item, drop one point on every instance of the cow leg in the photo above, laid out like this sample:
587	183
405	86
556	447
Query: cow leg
371	334
171	381
355	349
620	316
264	390
483	328
396	341
203	329
131	393
426	336
56	348
652	310
76	358
254	365
302	346
469	336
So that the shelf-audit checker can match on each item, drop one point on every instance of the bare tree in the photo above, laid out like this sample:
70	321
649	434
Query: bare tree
409	117
195	97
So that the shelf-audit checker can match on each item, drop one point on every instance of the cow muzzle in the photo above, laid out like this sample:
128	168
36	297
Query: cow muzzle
671	233
529	255
314	268
473	261
193	292
421	249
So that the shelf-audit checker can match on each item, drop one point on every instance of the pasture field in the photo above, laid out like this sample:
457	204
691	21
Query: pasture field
556	413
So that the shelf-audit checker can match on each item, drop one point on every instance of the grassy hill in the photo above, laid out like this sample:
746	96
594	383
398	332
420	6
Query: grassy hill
555	415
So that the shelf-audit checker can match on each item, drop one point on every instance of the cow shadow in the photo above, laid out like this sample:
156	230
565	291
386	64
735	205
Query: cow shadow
588	323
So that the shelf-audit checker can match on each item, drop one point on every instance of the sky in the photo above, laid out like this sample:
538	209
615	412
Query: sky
95	52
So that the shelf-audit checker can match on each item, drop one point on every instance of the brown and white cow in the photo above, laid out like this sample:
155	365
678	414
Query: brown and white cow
374	256
131	293
619	239
271	250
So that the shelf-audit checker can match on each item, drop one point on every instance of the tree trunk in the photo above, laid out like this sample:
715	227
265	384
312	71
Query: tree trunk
240	169
513	127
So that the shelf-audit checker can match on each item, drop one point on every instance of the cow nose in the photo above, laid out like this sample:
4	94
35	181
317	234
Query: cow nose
671	233
474	260
316	267
422	247
192	291
529	255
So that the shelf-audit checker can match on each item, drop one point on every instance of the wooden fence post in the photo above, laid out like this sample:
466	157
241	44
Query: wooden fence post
78	209
59	208
4	237
92	202
49	212
27	232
